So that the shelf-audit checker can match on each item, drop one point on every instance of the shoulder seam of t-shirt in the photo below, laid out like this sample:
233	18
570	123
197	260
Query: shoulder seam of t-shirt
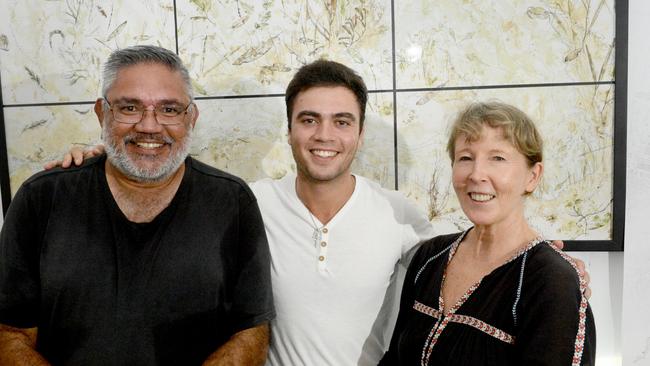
87	164
206	169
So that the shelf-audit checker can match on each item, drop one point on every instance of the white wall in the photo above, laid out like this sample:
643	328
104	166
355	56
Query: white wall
636	297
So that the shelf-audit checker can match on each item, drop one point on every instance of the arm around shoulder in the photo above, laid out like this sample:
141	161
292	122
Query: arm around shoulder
247	347
18	347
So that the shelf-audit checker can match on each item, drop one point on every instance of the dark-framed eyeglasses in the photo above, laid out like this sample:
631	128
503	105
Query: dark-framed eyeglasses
165	114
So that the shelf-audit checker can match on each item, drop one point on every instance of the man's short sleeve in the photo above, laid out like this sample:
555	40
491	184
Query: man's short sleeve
19	253
253	296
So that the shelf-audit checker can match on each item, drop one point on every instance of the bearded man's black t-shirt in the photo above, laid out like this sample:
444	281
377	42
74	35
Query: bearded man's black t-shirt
106	291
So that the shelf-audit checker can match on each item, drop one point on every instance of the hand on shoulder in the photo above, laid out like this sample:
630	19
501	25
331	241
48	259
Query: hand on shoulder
75	156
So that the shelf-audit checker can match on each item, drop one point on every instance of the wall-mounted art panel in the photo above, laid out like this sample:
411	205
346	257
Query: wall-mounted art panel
574	201
494	42
52	51
248	137
36	135
254	47
242	53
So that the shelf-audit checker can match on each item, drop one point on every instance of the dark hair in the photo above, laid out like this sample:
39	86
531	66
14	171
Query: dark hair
134	55
327	73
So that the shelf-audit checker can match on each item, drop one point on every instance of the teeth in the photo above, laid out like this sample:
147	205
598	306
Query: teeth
481	197
324	153
149	145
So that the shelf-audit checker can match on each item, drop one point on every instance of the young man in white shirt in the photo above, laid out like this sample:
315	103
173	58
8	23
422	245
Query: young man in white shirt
336	238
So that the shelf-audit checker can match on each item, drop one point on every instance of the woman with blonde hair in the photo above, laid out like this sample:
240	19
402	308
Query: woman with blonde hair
498	293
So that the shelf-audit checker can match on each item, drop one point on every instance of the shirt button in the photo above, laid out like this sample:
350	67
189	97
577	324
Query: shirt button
321	258
324	230
323	244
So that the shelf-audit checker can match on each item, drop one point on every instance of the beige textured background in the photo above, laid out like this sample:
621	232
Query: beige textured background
51	52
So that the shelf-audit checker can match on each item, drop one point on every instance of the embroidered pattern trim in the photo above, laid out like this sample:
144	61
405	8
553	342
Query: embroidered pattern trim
443	320
467	320
521	282
483	327
428	310
431	259
442	323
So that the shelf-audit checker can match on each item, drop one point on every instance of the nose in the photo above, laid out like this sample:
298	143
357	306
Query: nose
148	123
323	131
478	172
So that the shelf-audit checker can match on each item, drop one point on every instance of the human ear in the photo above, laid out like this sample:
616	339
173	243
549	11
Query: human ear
535	177
99	110
289	136
362	135
195	114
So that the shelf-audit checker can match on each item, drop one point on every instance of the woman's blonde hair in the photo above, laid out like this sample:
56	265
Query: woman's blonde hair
517	127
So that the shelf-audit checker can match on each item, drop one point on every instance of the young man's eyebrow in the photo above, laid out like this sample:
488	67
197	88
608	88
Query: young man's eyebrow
307	113
345	115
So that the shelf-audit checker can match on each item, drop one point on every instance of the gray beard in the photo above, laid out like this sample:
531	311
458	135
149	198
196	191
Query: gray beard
122	161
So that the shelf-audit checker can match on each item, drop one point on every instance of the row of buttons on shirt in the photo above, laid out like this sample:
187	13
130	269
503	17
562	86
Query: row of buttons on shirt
323	244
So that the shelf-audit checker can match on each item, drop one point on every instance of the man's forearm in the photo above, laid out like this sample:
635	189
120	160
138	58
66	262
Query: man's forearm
247	347
17	347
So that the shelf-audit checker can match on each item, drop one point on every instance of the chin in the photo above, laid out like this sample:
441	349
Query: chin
322	175
483	223
152	175
148	169
480	219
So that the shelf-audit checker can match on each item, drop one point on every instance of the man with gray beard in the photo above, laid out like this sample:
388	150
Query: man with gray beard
142	256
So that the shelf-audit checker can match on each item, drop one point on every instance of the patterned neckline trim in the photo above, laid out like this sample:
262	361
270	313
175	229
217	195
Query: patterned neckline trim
441	303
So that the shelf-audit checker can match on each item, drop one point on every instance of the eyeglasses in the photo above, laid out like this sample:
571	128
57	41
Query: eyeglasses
133	113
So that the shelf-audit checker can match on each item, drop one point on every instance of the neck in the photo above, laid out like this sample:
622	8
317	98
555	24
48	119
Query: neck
325	198
494	242
142	201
